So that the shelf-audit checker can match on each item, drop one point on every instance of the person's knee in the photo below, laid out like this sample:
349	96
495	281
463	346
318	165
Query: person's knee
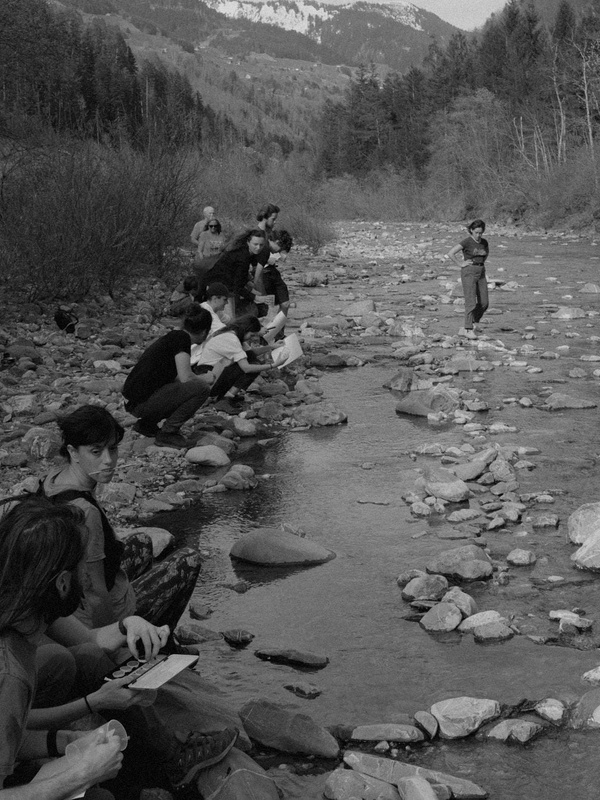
56	674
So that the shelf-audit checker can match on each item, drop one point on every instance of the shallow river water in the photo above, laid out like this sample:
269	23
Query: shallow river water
343	487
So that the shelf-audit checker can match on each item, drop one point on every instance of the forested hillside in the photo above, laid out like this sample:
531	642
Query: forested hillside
503	120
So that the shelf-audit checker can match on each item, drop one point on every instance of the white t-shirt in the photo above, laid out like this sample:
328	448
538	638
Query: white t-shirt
219	352
217	322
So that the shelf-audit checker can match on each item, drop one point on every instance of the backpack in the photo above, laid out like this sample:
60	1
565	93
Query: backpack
65	320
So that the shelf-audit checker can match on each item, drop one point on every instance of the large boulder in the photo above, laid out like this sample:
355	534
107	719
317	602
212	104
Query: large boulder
453	491
273	547
558	401
588	555
584	522
272	725
460	716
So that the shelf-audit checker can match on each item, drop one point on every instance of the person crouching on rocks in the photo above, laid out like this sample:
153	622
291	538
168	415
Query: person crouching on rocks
162	386
475	250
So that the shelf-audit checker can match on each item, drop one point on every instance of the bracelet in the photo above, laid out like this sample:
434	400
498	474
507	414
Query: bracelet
87	702
122	628
51	745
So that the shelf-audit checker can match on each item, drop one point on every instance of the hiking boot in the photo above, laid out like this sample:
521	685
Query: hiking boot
197	752
175	440
146	428
227	406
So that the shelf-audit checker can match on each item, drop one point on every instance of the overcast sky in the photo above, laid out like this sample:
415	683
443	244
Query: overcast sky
465	14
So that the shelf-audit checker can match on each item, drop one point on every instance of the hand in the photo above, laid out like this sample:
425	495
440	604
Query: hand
150	637
102	760
116	696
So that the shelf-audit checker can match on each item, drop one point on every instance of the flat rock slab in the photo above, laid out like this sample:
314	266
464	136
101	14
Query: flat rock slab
237	777
460	716
416	789
493	632
393	772
559	401
273	547
442	618
274	726
387	732
343	784
293	657
481	618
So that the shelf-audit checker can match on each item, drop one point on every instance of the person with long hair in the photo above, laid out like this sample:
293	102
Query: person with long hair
224	356
41	549
162	385
232	268
475	250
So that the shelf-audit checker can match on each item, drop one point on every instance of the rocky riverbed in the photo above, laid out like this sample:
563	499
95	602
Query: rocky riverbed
446	498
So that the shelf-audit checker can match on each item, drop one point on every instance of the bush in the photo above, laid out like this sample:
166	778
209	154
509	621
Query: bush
84	218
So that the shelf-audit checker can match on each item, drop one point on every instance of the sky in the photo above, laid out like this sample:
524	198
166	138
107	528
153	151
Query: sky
465	14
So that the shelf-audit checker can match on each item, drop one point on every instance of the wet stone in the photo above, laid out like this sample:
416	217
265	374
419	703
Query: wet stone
274	547
302	689
443	617
492	632
515	730
460	716
521	558
430	587
551	710
480	619
427	722
387	732
293	657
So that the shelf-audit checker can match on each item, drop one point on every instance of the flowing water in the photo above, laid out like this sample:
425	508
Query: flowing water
343	487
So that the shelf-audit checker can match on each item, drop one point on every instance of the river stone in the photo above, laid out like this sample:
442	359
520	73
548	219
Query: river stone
479	619
422	402
463	601
291	656
401	382
273	547
272	725
501	470
416	789
453	491
586	713
558	401
493	632
588	555
552	710
236	777
388	732
209	454
469	471
303	689
521	558
442	617
584	522
359	308
515	730
209	437
590	288
392	771
567	312
244	427
327	360
427	722
407	577
343	784
460	716
464	515
319	415
592	676
464	563
239	476
427	587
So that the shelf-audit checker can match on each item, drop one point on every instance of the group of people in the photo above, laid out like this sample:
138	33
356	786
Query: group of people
69	612
211	358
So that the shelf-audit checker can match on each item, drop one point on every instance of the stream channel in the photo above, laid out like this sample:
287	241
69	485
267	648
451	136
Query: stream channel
343	487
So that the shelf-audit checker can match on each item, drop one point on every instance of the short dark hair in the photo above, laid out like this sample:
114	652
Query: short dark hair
241	326
284	240
190	284
197	321
217	290
38	540
89	425
477	223
266	211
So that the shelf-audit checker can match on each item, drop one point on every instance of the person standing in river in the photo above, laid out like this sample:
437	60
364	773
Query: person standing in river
475	250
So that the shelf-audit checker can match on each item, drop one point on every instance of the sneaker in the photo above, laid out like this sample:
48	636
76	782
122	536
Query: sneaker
146	428
175	440
468	332
197	752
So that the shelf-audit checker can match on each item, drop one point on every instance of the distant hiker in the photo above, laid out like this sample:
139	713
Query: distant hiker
475	250
268	279
162	385
208	213
211	241
233	269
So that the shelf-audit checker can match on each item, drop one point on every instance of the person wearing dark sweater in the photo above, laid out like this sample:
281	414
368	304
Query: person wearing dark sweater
475	250
233	269
162	385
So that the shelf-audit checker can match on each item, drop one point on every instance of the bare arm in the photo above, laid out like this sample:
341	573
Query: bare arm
69	631
246	367
184	371
454	252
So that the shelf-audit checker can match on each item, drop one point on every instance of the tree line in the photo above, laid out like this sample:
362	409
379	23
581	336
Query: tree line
514	96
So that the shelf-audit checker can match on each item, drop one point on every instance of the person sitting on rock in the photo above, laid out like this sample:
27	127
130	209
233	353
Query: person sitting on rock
162	385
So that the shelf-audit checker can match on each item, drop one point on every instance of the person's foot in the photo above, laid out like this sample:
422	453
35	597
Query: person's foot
175	440
146	428
197	752
227	406
468	332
